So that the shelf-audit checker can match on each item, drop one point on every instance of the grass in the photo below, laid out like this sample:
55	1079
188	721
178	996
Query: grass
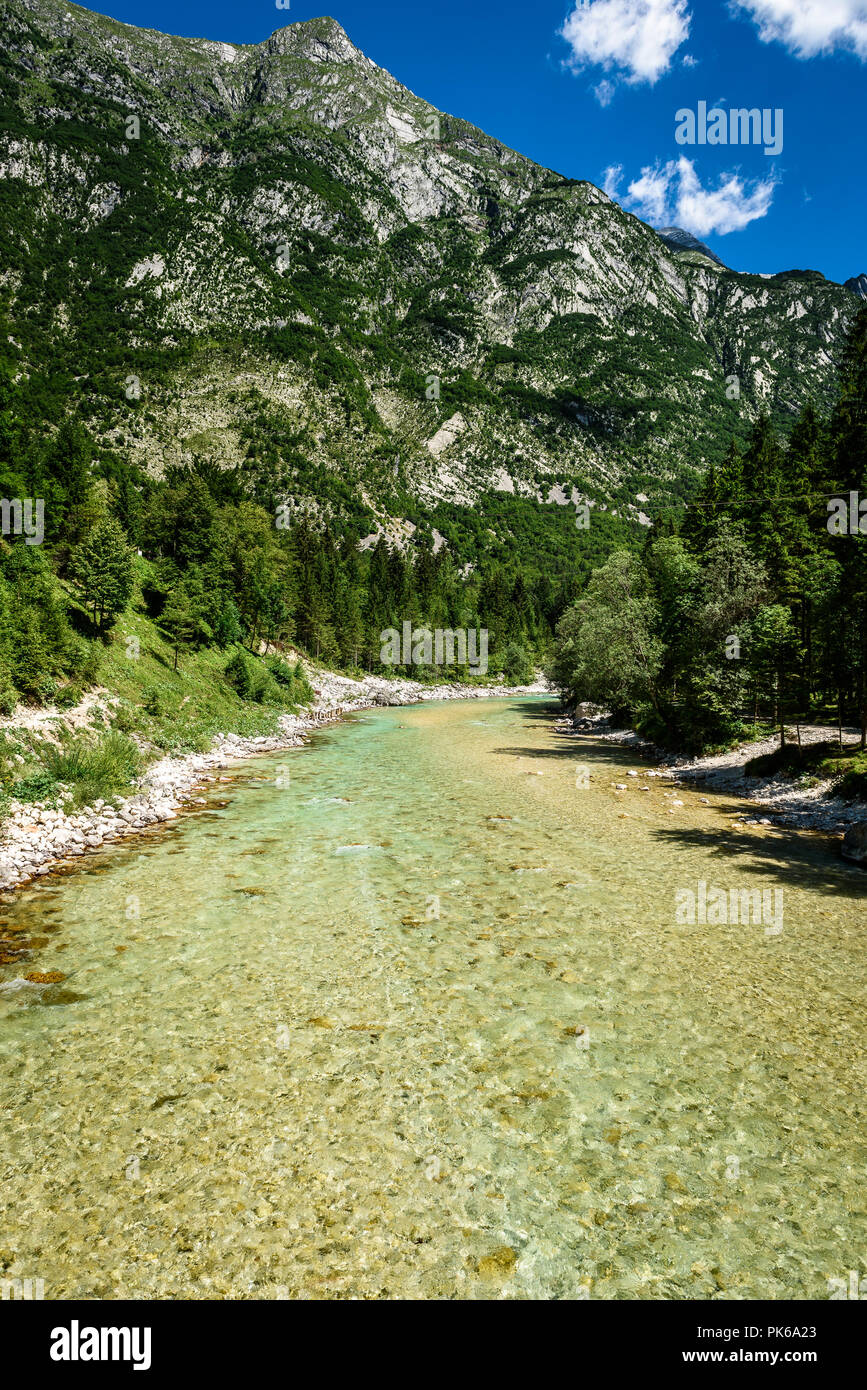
83	769
853	783
153	710
813	762
90	771
181	711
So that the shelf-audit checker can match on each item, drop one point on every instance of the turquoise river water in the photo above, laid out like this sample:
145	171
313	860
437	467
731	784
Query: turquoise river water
409	1013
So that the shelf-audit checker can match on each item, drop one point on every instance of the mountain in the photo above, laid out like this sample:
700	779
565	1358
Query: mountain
679	240
274	256
858	284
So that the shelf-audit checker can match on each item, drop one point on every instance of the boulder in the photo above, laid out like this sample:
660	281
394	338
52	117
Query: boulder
855	843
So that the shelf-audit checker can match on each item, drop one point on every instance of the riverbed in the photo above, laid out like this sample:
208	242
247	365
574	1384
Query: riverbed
412	1012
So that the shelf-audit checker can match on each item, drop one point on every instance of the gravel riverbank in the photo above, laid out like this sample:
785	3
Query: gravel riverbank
779	801
37	838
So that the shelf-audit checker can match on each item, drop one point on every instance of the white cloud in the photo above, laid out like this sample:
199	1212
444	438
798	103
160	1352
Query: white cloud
604	92
725	209
649	195
611	179
809	27
634	38
672	194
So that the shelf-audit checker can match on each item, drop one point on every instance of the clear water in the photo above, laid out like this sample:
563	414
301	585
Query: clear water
274	1071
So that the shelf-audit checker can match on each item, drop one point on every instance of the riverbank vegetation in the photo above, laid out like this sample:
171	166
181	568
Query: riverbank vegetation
181	596
752	604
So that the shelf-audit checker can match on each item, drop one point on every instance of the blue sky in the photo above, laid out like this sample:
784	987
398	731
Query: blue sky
593	90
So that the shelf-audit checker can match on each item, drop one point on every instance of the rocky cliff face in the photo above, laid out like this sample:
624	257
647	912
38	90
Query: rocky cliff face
277	255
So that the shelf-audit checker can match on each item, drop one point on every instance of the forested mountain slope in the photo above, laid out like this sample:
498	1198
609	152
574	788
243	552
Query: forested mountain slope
276	256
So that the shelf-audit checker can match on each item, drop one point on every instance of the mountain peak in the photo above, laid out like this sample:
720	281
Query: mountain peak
309	246
322	40
679	240
858	285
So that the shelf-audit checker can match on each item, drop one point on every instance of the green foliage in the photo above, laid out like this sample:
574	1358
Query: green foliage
517	665
40	786
756	608
239	675
607	651
94	770
102	569
853	783
291	680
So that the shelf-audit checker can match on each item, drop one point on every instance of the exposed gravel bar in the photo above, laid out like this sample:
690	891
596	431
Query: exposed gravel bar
779	801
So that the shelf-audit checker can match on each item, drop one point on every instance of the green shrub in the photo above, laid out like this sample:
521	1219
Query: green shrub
94	770
46	691
263	687
68	695
124	720
239	675
291	680
791	761
8	694
152	703
517	665
281	672
41	786
302	693
853	784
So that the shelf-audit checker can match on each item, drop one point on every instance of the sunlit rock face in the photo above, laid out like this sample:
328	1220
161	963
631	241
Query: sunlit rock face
309	267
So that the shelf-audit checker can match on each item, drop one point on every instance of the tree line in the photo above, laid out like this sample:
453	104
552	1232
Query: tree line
216	563
751	605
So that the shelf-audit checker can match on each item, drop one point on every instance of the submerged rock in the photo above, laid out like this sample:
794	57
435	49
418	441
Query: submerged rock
498	1265
855	843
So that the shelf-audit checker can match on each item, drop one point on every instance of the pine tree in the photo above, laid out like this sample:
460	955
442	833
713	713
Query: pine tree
179	622
849	453
102	570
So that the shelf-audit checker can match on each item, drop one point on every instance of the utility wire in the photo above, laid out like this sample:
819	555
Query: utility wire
742	502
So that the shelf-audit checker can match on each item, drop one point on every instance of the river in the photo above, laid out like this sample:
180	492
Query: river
410	1013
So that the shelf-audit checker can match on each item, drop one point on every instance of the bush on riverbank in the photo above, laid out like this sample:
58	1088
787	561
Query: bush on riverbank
272	681
93	771
144	705
815	762
853	783
80	770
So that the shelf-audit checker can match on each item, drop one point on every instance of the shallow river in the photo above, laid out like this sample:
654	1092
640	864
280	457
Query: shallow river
411	1014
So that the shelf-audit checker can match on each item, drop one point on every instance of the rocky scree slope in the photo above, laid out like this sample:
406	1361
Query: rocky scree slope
274	260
